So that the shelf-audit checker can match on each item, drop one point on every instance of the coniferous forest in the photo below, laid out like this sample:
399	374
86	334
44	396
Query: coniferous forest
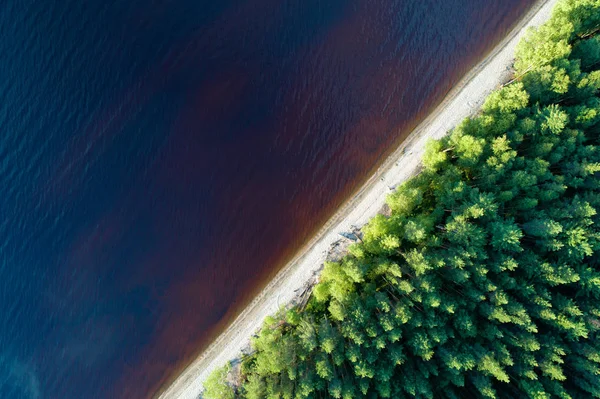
485	280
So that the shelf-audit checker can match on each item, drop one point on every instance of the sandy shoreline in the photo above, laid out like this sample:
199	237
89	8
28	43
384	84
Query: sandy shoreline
462	101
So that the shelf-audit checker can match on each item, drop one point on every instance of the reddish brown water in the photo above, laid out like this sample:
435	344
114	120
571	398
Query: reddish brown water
164	159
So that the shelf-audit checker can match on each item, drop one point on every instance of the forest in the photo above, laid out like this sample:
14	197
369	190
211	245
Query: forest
484	282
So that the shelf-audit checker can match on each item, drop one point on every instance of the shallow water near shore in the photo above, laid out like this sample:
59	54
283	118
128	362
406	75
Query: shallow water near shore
160	160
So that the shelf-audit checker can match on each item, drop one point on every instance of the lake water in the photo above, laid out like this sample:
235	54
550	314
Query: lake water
161	159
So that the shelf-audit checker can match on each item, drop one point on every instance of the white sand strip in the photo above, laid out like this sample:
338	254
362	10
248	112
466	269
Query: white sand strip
463	101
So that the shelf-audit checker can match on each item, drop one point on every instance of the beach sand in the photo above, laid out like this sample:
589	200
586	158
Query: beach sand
464	100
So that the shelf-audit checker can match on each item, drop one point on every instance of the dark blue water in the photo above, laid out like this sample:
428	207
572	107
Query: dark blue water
159	160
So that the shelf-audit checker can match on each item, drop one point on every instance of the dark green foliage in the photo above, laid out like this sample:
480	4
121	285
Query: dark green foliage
485	280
